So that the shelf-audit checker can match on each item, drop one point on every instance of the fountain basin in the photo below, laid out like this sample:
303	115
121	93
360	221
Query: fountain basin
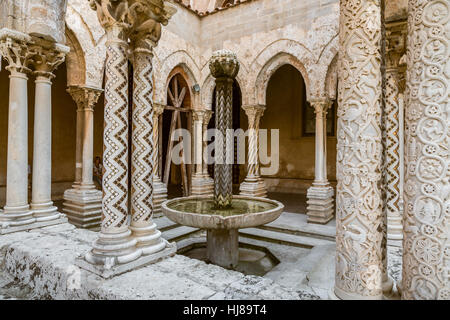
222	224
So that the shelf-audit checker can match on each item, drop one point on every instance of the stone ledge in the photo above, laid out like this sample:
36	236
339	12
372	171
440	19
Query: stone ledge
44	260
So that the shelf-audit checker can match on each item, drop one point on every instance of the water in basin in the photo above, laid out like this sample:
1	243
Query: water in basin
238	207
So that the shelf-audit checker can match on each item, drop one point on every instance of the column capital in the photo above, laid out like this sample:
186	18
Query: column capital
254	111
158	109
46	57
321	105
224	64
198	115
85	97
14	48
207	116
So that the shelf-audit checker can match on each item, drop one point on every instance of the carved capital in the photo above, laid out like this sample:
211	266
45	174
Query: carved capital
46	58
224	64
254	112
14	48
84	97
321	106
198	115
112	15
158	109
207	117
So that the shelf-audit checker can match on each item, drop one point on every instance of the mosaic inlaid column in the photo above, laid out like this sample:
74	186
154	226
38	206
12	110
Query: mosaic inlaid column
159	188
44	62
426	220
143	150
115	244
15	50
392	136
253	185
359	216
83	203
224	68
320	194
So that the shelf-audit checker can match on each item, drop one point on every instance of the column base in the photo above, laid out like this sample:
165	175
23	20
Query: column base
5	229
148	239
202	185
83	208
45	211
108	271
320	202
159	196
253	188
223	247
17	217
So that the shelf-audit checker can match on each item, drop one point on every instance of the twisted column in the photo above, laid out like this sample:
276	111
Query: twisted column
143	151
14	48
320	194
83	202
206	118
45	60
426	220
253	185
359	216
159	188
224	67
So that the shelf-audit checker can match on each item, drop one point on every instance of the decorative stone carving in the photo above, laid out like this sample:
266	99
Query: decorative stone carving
253	184
224	66
83	203
426	248
320	194
359	217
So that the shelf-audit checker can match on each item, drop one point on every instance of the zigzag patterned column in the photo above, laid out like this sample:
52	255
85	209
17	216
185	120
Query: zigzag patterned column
253	184
359	216
115	246
224	67
144	153
426	242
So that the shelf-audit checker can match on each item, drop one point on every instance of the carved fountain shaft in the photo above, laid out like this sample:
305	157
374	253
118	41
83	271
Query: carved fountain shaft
224	67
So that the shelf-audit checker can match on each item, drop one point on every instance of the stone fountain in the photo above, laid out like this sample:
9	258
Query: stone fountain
224	214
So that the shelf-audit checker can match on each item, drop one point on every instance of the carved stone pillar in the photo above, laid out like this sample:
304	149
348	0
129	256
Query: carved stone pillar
320	194
426	220
359	216
16	214
159	188
83	203
144	230
253	184
45	60
224	67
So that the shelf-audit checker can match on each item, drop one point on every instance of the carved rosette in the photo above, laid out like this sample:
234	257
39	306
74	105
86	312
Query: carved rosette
358	199
224	66
426	244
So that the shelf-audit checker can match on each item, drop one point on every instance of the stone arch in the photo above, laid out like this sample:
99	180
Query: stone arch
178	59
186	74
277	61
82	28
331	79
76	65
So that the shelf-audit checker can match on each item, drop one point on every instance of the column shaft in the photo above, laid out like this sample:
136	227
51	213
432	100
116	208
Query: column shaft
426	220
159	188
359	216
87	148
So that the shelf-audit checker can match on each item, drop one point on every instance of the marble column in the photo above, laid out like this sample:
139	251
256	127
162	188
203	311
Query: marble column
144	230
200	185
426	219
359	216
159	188
16	214
320	194
83	203
44	62
224	67
208	182
253	185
